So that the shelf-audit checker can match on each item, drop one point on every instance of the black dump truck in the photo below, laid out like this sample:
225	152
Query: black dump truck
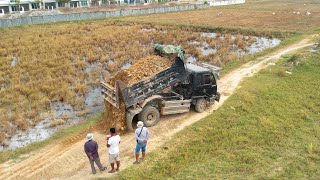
171	91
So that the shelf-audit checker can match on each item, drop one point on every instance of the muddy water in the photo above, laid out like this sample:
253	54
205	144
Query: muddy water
39	132
210	35
125	66
259	44
59	111
206	51
14	62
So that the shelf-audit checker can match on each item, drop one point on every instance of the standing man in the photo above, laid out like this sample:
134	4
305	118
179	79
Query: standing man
142	136
113	141
91	149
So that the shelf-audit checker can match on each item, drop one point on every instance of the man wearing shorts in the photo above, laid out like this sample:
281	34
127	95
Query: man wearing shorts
142	136
113	141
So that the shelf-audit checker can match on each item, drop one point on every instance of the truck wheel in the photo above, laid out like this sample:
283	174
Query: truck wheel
149	116
201	105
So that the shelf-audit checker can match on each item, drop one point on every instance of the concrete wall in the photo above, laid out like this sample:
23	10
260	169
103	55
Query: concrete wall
94	15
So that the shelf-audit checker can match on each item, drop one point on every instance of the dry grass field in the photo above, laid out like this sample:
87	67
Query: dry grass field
46	64
43	65
255	15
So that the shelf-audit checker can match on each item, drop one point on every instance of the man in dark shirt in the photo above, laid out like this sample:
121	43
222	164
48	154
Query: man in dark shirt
91	149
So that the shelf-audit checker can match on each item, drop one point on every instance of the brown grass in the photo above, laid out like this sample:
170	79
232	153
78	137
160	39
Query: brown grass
257	15
56	122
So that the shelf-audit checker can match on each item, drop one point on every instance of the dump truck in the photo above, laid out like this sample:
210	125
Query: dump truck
171	91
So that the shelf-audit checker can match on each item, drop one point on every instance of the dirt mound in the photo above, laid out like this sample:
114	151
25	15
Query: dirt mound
142	70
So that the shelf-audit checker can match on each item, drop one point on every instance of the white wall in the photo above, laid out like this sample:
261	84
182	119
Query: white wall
225	2
4	2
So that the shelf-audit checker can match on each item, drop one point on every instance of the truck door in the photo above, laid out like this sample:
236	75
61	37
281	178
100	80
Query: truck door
206	86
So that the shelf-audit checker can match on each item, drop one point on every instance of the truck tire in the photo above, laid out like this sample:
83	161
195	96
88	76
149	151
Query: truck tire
201	105
149	116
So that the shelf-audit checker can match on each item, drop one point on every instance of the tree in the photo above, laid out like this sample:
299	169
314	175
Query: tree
18	4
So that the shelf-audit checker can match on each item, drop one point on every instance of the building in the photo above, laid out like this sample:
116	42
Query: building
12	6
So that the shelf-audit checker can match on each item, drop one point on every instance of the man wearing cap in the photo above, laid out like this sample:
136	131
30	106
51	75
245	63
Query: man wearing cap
113	141
91	149
142	136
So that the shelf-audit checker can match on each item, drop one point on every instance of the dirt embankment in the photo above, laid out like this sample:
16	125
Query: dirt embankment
65	160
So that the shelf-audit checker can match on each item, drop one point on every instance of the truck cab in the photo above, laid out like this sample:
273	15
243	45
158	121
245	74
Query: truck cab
201	86
204	83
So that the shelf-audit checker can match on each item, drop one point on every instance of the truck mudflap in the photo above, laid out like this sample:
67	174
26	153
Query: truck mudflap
129	118
217	98
214	98
130	113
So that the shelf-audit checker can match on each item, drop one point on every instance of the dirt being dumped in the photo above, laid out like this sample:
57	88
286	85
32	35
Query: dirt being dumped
142	70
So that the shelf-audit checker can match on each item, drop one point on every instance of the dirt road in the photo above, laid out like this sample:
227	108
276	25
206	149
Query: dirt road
67	160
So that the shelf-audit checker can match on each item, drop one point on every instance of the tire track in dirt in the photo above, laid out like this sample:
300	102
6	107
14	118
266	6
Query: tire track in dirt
66	159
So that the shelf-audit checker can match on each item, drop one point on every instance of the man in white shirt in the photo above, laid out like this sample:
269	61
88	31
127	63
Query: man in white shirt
113	141
142	136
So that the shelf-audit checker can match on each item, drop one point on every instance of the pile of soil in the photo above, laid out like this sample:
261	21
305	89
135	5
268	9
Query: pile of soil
115	117
142	70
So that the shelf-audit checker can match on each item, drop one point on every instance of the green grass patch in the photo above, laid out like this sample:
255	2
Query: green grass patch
269	129
63	134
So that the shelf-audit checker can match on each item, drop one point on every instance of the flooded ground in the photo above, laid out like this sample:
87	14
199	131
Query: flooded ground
62	115
261	44
125	66
60	112
14	62
256	45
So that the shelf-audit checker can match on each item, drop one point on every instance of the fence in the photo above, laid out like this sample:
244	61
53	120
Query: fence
94	15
